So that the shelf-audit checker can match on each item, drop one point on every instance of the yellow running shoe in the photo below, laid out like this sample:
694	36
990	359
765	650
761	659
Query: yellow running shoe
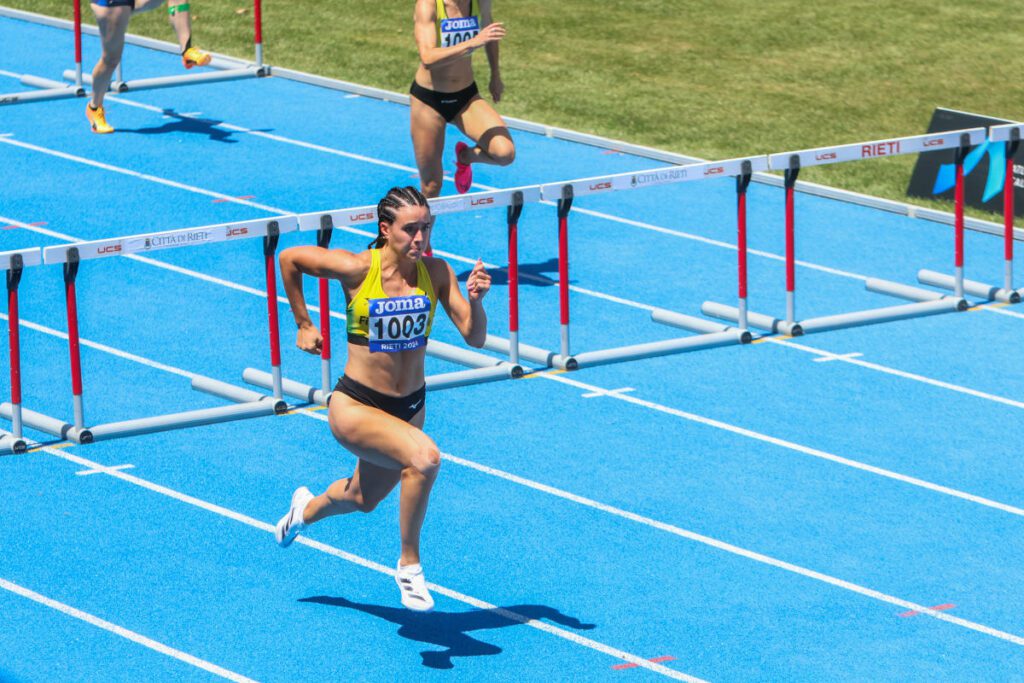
98	119
195	57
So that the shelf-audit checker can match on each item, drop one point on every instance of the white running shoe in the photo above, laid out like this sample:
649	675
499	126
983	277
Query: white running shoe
413	585
291	524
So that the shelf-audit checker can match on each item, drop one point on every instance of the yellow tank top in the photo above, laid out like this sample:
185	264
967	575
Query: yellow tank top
391	324
454	31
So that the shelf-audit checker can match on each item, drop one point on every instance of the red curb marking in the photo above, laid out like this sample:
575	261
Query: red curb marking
245	196
13	227
611	151
937	608
655	660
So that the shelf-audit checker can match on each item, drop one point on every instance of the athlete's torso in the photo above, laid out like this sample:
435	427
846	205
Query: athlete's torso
454	23
388	333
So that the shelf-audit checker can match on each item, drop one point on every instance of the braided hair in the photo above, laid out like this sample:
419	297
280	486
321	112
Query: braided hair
396	198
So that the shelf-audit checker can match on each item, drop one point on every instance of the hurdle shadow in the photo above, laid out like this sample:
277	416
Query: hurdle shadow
529	274
450	630
189	124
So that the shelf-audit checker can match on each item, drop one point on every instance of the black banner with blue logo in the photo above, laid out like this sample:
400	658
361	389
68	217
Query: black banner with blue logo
984	168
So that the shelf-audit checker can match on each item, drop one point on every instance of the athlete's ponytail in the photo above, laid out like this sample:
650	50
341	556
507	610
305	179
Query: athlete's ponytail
396	198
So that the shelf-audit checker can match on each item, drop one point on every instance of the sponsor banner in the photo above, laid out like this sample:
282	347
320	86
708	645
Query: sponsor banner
358	215
658	176
876	149
29	257
934	175
362	215
170	239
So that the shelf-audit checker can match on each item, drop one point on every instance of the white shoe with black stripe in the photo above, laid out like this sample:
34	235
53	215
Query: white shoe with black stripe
289	526
413	585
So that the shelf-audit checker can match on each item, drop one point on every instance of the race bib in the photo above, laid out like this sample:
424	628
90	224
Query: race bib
398	323
455	31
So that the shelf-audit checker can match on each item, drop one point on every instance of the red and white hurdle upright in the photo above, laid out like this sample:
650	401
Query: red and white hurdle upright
251	403
1009	135
221	69
480	367
13	263
926	302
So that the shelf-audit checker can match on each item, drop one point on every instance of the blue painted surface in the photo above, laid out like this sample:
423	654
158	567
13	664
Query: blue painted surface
739	445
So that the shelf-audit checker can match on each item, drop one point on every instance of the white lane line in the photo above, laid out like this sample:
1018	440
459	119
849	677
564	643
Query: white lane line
814	452
736	550
374	566
848	358
104	470
1003	311
827	357
123	632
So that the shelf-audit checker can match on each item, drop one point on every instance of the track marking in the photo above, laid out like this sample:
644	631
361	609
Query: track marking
825	358
666	658
937	608
104	470
848	358
382	569
123	632
610	392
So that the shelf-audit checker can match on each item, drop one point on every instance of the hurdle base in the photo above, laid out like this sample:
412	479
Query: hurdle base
231	392
972	287
695	324
191	418
758	320
465	378
882	315
48	425
10	444
49	90
533	354
460	355
661	348
234	74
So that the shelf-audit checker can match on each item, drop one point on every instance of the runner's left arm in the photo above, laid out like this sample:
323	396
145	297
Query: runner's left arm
497	86
469	316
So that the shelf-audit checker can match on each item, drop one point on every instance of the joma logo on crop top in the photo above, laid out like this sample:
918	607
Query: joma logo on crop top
401	304
458	24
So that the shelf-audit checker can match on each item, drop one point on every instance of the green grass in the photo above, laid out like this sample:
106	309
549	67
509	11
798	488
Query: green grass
711	79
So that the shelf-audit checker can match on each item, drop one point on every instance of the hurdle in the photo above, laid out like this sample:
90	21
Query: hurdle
1009	135
13	263
481	367
926	302
222	71
249	403
710	334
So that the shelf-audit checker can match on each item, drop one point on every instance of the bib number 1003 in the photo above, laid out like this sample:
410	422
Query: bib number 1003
399	327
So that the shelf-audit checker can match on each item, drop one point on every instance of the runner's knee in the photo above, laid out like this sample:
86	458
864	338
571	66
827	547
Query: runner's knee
427	460
503	151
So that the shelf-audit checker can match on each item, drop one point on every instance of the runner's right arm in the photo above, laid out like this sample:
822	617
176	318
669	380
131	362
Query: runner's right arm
318	262
425	32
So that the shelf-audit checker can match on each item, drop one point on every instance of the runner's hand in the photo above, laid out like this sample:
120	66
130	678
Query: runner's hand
478	283
309	340
491	33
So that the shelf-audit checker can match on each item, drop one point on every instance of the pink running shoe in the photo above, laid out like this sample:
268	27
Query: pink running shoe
463	172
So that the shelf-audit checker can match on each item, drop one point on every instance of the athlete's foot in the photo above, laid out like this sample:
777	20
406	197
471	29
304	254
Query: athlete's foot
195	57
97	119
413	585
291	524
463	172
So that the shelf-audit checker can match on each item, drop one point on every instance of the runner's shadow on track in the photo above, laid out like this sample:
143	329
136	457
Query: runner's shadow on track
450	629
529	274
188	124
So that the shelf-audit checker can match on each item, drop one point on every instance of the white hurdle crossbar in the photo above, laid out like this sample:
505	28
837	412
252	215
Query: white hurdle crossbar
709	334
13	263
1009	135
252	403
926	302
481	367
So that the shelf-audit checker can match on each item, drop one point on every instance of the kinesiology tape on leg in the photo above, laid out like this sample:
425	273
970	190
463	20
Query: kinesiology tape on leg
177	9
